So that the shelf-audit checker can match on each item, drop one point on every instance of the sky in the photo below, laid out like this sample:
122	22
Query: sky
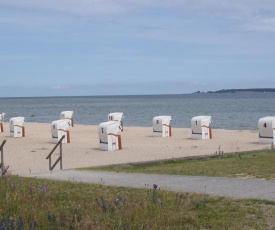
126	47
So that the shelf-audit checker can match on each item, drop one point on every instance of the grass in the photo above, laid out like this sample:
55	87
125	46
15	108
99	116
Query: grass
42	204
27	203
257	164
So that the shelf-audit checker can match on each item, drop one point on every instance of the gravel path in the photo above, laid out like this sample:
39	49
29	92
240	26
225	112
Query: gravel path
217	186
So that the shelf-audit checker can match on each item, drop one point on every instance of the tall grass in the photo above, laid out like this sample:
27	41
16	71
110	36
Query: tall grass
258	164
42	204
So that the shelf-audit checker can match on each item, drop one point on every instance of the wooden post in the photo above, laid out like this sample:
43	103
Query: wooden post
2	161
23	131
50	162
61	166
68	136
59	158
210	132
119	142
2	157
1	128
170	131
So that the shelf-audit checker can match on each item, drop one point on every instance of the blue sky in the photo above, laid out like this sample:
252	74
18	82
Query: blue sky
125	47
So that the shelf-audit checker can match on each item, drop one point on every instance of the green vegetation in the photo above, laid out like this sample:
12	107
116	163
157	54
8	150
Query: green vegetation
258	164
41	204
252	90
27	203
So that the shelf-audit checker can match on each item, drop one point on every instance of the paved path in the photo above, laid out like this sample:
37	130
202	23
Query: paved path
217	186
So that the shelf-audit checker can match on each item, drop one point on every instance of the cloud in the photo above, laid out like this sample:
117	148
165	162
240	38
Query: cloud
229	8
77	7
260	24
248	15
113	85
61	87
139	88
17	57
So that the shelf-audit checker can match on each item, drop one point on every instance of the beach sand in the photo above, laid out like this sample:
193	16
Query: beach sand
28	154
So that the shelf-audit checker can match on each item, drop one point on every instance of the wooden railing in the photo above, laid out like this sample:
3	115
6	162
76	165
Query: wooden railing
59	158
2	159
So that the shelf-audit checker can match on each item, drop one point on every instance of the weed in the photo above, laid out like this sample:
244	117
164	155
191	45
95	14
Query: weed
219	150
154	194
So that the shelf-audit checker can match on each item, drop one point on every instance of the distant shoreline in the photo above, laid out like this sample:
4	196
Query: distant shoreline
252	90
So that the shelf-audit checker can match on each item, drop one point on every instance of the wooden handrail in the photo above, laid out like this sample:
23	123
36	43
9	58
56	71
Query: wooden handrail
55	147
2	158
59	158
3	143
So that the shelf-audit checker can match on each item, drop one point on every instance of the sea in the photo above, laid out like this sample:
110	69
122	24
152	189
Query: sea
233	111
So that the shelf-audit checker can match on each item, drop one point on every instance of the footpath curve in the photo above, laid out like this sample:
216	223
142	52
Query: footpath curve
215	186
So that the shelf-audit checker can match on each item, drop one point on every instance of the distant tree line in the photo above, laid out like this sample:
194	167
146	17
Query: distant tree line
255	90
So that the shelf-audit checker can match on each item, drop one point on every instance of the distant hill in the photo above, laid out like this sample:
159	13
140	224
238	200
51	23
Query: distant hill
256	90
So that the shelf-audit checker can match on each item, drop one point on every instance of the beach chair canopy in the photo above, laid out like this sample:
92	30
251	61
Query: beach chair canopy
159	121
118	116
60	124
66	115
108	128
266	126
198	122
17	121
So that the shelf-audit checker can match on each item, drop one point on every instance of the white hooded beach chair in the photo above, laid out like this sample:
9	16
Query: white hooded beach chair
118	116
60	128
2	119
67	115
266	127
162	127
200	126
17	128
109	138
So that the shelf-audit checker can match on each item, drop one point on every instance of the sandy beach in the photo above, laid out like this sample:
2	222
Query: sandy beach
28	154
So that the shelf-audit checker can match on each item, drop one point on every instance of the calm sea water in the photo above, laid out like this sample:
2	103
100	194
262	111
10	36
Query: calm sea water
228	111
